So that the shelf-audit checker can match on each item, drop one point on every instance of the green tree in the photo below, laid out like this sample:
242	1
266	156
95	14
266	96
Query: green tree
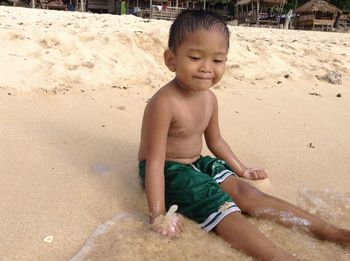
341	4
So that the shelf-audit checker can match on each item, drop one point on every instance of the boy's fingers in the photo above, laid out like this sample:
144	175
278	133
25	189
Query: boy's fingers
173	233
181	223
177	230
254	174
258	173
263	174
181	227
178	223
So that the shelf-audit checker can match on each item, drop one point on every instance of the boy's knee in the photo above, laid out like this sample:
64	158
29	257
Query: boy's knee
249	192
248	198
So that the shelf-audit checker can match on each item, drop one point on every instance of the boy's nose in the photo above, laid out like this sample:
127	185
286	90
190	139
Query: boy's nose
205	66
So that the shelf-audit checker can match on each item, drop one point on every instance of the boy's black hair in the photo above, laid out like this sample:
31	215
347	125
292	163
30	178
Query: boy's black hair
189	21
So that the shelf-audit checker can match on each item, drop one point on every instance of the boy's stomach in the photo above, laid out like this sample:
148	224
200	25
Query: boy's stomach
184	160
180	150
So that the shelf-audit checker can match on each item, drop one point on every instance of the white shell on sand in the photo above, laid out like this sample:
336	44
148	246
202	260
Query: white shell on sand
48	239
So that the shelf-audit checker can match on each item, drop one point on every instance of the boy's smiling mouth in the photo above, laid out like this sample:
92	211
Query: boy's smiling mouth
202	78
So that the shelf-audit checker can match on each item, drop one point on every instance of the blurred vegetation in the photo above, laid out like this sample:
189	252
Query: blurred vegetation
293	4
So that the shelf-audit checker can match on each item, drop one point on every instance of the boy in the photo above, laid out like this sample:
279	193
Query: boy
208	190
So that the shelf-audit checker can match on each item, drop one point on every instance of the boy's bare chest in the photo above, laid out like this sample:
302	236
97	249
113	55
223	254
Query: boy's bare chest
190	120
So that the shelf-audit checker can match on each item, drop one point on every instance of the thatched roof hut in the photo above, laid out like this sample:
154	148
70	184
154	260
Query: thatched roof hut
316	13
314	6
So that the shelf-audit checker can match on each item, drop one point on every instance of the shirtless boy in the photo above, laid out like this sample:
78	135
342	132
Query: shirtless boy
211	191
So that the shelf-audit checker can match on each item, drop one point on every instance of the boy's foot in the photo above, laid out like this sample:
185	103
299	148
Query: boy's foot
345	237
341	237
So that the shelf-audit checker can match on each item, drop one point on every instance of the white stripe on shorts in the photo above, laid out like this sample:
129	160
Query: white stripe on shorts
194	167
220	177
216	217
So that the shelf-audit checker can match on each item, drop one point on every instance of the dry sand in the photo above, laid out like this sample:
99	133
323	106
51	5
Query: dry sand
73	88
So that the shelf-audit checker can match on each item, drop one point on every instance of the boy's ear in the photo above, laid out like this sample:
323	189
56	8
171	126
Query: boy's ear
169	59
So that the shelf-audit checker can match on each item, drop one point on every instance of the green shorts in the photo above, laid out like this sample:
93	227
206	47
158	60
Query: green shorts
194	188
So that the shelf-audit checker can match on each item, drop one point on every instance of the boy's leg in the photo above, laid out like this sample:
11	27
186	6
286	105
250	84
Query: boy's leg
240	234
256	203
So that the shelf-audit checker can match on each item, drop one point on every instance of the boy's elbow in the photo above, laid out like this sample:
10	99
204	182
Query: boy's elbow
215	145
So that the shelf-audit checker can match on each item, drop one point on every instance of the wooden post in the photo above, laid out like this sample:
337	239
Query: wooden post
235	13
241	11
150	9
33	3
257	11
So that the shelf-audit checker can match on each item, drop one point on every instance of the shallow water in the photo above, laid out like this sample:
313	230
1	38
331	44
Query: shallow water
127	236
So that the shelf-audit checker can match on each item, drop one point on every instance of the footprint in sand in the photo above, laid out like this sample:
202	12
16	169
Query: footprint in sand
125	40
49	42
15	36
86	38
105	39
71	67
88	64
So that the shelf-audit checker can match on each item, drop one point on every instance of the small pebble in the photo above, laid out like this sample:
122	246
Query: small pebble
310	145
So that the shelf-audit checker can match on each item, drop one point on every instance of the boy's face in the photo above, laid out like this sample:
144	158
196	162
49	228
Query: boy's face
199	62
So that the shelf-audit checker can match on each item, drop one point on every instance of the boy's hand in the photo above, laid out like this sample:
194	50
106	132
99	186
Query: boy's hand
170	225
254	173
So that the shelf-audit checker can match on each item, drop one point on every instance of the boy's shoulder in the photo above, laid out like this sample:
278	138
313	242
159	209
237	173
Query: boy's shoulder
163	99
165	93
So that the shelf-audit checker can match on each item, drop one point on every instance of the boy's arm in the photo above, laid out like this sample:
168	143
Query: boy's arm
157	119
218	146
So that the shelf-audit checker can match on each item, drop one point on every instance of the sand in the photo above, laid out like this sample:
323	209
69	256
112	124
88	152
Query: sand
73	88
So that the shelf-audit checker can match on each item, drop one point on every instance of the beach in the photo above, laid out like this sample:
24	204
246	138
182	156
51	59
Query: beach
73	88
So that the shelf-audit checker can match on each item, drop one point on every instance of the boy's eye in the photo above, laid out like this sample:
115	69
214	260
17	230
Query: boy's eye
194	58
218	61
